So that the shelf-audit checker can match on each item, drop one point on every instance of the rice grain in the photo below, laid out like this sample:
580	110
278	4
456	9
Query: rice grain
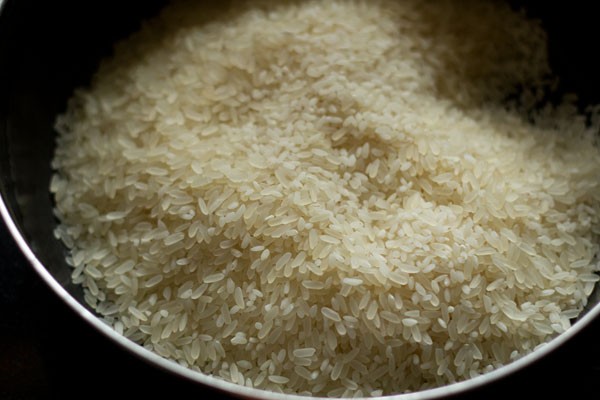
330	197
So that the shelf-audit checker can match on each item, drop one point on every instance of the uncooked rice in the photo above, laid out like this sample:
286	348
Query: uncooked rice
332	198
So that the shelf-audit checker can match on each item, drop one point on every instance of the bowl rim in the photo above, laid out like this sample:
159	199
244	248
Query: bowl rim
252	393
246	392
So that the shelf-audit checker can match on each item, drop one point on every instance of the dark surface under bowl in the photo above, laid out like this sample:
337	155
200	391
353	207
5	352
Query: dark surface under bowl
49	48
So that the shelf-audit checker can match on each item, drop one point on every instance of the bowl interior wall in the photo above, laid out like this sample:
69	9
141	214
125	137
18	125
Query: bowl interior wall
49	48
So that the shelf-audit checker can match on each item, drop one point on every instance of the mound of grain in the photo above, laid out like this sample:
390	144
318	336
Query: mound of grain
328	197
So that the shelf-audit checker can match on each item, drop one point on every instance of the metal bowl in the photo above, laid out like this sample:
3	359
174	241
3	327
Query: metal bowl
49	48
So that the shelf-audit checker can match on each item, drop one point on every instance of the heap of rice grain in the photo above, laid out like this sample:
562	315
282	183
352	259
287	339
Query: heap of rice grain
329	197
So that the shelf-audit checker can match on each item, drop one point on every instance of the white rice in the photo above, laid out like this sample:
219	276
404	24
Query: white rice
330	198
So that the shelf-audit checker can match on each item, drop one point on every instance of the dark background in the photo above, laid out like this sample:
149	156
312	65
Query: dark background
47	352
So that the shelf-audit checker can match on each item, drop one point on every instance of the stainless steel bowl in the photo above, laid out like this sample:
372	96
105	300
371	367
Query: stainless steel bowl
44	57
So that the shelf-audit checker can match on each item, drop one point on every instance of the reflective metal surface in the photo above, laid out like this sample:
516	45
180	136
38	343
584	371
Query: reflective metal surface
46	50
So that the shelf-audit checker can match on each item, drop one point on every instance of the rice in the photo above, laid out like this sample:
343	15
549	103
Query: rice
331	198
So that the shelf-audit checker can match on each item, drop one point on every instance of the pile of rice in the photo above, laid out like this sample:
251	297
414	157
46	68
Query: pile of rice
330	198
